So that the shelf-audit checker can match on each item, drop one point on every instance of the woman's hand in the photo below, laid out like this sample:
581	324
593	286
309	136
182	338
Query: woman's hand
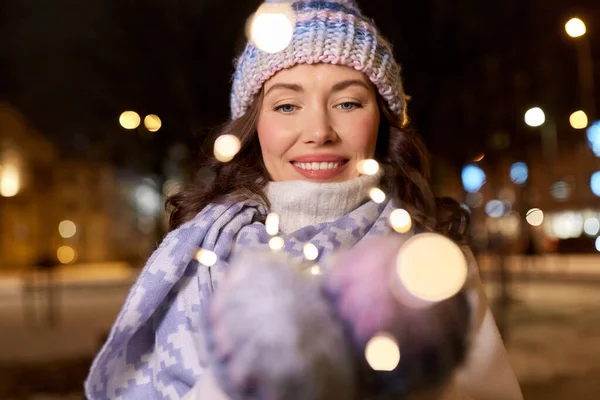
371	300
272	335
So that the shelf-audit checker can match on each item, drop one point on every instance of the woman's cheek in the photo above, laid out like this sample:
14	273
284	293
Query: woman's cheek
360	133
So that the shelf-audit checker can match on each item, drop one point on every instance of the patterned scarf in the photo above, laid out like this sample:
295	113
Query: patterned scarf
155	349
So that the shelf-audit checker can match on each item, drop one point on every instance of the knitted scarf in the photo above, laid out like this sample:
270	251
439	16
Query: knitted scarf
155	349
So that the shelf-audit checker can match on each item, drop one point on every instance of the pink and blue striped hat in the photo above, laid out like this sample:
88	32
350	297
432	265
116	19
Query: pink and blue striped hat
334	32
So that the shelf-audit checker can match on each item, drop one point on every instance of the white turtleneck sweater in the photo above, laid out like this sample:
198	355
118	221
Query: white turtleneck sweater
486	375
304	203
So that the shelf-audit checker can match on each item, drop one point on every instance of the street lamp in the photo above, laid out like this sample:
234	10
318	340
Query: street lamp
535	117
577	30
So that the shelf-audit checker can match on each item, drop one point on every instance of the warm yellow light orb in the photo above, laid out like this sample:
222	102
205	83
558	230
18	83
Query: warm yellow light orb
401	221
206	257
579	120
432	267
271	28
377	195
227	147
382	353
130	120
66	254
277	243
67	229
152	123
311	252
367	167
535	217
272	224
575	28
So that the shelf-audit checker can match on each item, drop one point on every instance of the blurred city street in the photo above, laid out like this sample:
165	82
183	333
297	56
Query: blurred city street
551	334
482	119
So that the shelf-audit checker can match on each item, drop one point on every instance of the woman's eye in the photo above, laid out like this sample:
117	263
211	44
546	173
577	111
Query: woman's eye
286	108
349	106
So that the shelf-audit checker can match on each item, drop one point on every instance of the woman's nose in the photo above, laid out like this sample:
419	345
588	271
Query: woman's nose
319	130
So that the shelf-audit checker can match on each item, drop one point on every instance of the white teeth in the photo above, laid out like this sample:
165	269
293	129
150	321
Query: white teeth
315	166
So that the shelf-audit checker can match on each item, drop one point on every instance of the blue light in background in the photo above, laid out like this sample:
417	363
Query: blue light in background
595	183
473	178
593	136
519	173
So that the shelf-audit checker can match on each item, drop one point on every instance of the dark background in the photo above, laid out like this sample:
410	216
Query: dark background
472	67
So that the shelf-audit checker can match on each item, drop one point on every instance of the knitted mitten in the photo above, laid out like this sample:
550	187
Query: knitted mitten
272	335
370	300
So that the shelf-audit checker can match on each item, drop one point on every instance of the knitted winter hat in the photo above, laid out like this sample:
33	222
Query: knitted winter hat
331	31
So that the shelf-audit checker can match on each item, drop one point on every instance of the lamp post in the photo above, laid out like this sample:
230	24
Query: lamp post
535	117
577	30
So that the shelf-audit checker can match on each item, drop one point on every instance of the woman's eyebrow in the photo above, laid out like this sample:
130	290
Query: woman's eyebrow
346	84
289	86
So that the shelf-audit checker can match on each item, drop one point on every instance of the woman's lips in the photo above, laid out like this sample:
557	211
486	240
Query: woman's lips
322	174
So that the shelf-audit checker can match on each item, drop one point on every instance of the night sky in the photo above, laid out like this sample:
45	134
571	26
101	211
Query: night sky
472	68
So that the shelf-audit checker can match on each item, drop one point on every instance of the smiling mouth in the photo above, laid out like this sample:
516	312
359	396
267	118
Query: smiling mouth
319	166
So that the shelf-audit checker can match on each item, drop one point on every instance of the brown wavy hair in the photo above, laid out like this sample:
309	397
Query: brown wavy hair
400	152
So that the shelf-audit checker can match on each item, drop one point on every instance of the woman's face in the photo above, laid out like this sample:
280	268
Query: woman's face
317	122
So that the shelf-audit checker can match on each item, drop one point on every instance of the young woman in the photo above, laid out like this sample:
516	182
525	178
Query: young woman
306	118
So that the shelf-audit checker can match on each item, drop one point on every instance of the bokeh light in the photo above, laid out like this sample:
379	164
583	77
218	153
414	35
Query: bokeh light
575	27
272	224
535	117
315	270
432	267
479	158
560	190
595	183
382	353
519	173
130	120
598	243
66	254
67	229
535	217
473	178
595	149
377	195
578	120
152	123
496	209
271	28
206	257
400	220
226	147
593	136
567	225
10	181
311	252
591	226
148	199
276	243
474	199
367	167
